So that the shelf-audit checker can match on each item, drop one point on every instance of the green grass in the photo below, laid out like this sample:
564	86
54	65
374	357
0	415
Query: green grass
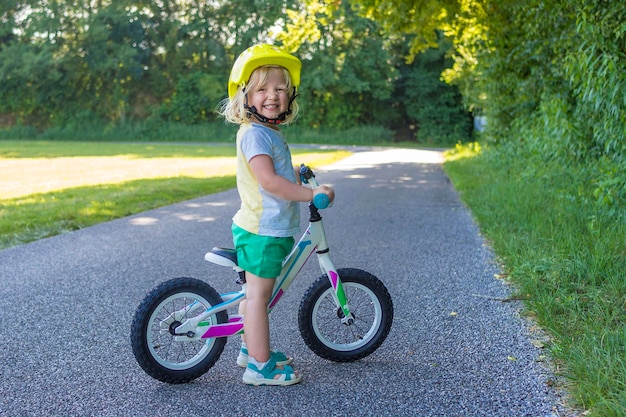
56	149
72	205
565	254
36	216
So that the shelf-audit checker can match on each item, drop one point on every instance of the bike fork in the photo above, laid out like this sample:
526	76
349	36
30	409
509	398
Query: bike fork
339	294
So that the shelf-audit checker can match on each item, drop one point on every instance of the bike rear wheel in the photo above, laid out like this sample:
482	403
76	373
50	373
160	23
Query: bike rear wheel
330	337
153	331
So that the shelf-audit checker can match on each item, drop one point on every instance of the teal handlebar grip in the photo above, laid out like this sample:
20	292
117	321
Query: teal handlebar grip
321	201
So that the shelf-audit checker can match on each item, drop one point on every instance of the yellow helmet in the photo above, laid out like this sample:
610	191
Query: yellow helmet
257	56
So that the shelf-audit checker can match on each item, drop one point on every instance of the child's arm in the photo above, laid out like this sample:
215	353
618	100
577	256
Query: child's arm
262	167
296	170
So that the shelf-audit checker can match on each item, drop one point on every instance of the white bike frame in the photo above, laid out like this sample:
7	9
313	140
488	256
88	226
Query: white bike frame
313	240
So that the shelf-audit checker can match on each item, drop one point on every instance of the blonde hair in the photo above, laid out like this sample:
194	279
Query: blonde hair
234	110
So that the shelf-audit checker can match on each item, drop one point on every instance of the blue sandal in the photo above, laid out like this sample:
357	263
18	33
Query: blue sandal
267	376
280	357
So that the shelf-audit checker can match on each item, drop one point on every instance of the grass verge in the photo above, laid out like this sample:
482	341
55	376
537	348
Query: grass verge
565	254
88	192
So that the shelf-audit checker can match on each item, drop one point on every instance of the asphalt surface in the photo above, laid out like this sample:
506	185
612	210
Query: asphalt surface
66	305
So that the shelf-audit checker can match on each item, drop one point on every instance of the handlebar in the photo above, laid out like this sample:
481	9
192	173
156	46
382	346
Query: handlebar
321	201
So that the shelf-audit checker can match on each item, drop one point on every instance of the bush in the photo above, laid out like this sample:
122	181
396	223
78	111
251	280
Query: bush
158	130
363	135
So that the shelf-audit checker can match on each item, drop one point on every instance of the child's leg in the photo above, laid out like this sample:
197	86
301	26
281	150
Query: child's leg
242	312
242	358
262	369
256	321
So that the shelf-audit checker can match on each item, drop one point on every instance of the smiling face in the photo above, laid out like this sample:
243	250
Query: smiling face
269	94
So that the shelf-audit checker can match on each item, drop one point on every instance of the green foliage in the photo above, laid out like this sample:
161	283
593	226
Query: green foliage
597	70
550	77
30	75
360	135
511	63
346	71
555	69
75	66
153	129
610	185
565	255
435	107
356	75
121	60
421	19
115	56
568	60
34	217
193	100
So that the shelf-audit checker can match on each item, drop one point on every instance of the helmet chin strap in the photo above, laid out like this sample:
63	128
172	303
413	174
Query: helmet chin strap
281	117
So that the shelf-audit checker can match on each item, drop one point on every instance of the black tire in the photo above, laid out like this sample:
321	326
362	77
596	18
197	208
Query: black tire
320	322
154	347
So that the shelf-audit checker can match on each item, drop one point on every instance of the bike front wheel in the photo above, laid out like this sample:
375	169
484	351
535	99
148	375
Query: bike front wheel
153	331
324	328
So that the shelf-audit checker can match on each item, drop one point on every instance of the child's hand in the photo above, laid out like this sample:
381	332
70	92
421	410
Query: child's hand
325	189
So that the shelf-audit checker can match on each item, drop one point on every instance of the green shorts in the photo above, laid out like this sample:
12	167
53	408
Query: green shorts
261	255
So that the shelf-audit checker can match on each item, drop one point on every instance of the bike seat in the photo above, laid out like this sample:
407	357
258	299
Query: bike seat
222	256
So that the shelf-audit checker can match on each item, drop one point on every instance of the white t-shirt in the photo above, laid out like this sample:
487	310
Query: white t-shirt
261	212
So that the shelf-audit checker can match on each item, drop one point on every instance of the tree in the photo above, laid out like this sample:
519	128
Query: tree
434	108
114	60
422	20
356	74
347	73
116	55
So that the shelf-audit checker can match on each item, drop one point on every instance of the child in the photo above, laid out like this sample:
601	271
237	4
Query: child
262	91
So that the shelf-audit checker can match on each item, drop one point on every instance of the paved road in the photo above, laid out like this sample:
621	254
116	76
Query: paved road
66	304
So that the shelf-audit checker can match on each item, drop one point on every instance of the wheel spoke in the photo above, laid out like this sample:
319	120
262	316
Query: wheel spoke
333	330
324	327
153	340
